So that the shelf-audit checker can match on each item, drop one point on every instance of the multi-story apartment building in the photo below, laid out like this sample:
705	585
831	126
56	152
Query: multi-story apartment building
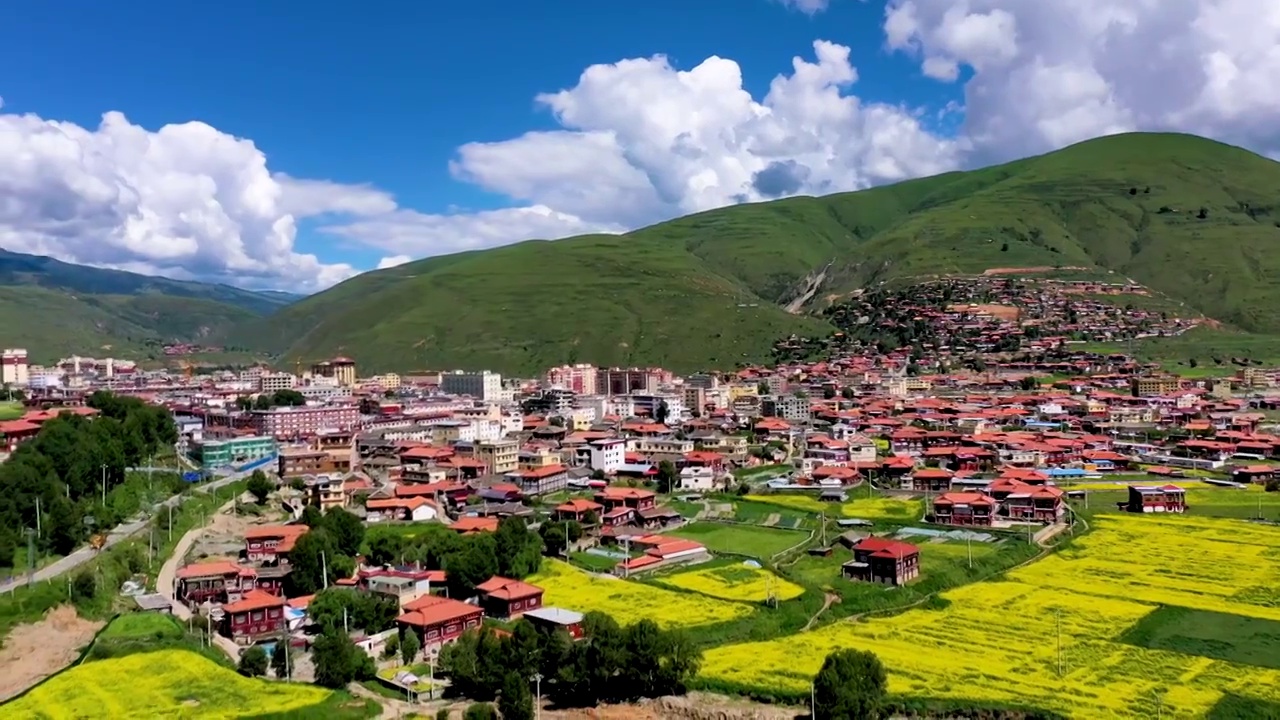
608	455
649	403
581	379
484	385
274	382
13	367
287	422
340	369
793	408
499	456
620	381
212	454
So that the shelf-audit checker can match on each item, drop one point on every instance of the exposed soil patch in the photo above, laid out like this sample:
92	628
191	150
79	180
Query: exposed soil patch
33	652
1003	312
695	706
1036	269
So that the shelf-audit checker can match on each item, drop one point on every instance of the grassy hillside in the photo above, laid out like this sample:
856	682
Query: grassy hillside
1192	218
55	309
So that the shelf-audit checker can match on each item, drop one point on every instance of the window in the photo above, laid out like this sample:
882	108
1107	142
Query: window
257	616
433	633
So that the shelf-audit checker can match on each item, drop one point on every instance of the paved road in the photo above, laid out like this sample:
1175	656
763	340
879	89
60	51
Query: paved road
165	585
119	534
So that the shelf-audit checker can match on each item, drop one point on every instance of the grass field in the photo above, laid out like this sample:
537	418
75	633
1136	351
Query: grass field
1216	502
167	683
142	626
1202	352
758	542
860	505
11	410
996	642
628	602
734	581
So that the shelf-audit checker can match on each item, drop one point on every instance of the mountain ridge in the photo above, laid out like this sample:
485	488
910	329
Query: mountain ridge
1190	217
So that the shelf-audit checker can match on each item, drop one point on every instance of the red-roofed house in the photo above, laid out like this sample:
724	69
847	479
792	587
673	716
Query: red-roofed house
1157	498
882	560
504	598
16	432
578	509
410	509
931	479
438	620
964	508
256	616
267	543
468	525
220	581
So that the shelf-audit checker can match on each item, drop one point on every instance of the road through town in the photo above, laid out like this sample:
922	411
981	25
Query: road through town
117	535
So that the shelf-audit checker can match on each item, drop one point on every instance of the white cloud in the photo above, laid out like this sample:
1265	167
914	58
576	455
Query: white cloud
392	261
185	201
640	140
1049	73
808	7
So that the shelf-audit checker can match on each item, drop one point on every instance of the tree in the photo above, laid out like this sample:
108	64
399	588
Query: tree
519	550
848	393
471	564
259	486
315	563
851	684
479	711
253	663
661	412
668	477
515	702
828	393
338	661
385	548
1028	383
312	517
281	661
84	586
409	647
557	535
347	530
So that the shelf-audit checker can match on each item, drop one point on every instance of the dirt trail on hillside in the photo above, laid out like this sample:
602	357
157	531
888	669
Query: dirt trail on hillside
812	283
37	650
1037	269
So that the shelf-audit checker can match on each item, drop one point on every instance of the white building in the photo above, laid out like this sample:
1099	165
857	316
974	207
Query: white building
697	479
484	385
274	382
608	455
13	370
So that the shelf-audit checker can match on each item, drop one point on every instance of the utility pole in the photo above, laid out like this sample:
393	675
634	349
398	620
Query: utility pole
37	516
1057	615
104	484
170	522
31	560
324	575
813	700
968	546
537	694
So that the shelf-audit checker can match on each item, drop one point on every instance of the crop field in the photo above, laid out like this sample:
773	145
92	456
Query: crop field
760	542
629	602
1121	655
142	626
876	507
738	582
1212	503
166	683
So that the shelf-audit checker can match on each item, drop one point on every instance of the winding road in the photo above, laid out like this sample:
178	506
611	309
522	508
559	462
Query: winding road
118	534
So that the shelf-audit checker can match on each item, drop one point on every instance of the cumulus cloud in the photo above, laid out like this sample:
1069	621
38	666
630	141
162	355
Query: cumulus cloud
808	7
1046	74
394	260
641	140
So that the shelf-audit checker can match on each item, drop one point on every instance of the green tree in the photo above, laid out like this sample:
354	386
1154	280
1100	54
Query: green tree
515	702
479	711
315	562
668	476
1028	383
519	550
259	486
557	535
850	685
281	659
385	548
661	412
347	530
338	661
409	647
84	586
312	517
471	564
253	662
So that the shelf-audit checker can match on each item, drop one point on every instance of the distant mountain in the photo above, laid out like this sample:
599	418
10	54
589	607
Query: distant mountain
1194	219
54	308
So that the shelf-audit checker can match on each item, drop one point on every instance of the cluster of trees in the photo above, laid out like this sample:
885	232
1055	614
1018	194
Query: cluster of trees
326	552
611	664
851	684
514	551
266	401
70	465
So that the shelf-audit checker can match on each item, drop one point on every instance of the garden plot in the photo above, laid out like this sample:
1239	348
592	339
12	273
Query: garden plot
741	582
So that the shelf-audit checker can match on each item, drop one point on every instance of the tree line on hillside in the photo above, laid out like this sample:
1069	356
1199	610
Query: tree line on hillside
68	467
266	401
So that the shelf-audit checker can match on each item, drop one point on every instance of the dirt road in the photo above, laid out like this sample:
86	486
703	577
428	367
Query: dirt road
168	571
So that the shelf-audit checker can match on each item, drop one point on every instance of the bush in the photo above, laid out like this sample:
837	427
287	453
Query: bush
253	663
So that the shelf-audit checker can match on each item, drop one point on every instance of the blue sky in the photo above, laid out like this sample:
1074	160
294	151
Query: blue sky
386	95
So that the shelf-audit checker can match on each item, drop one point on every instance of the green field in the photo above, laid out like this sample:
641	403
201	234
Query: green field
11	409
1217	502
759	542
1216	635
1202	352
706	290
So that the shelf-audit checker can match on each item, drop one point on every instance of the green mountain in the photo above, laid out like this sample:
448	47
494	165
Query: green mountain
1192	218
54	309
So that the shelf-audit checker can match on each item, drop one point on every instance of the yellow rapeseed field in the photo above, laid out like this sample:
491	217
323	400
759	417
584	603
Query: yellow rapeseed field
803	503
627	601
161	684
999	641
876	507
740	582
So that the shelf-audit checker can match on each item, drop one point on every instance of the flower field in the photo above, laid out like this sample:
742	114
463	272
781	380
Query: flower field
997	642
738	582
876	507
628	602
166	683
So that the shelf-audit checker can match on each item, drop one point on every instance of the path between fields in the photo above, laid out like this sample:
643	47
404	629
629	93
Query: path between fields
828	599
164	579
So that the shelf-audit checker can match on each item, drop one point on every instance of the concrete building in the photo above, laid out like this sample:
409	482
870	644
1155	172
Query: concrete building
793	408
581	379
484	385
341	369
211	454
13	367
270	382
287	422
608	455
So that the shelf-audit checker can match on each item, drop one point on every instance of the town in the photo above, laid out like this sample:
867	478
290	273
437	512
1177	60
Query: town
381	530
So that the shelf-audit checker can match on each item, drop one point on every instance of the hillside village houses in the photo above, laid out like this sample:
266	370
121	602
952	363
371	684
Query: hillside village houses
613	448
